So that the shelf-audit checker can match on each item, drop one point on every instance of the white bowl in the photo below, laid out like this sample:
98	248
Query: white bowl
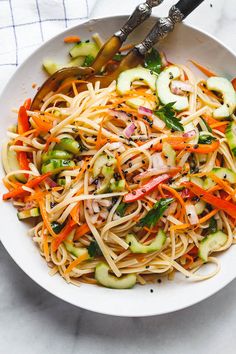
183	44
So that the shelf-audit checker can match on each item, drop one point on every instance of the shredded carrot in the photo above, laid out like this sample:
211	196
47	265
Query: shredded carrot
51	139
83	168
203	69
74	213
72	39
42	125
161	191
45	218
126	47
81	231
190	259
222	183
121	172
69	83
76	262
175	194
74	89
208	216
100	141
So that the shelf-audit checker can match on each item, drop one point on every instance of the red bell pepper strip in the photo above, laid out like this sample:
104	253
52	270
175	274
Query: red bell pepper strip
23	121
209	198
23	126
234	83
63	234
20	192
23	161
197	148
27	103
145	189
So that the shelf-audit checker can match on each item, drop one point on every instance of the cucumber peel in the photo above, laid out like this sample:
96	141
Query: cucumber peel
110	281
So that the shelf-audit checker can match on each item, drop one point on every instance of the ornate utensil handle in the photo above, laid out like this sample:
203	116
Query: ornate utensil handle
111	47
165	25
140	14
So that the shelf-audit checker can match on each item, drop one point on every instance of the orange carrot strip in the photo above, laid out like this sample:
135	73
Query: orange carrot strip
121	172
77	261
126	47
42	125
81	231
72	39
203	69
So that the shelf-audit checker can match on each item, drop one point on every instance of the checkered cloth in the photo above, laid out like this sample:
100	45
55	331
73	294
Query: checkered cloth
25	24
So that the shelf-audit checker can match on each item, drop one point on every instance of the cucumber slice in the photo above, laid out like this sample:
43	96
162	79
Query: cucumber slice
107	172
117	186
68	144
76	62
139	101
55	165
31	213
208	183
198	181
225	174
110	281
76	251
231	136
126	78
56	154
10	163
136	247
200	207
83	49
211	243
50	66
101	161
163	89
225	87
169	153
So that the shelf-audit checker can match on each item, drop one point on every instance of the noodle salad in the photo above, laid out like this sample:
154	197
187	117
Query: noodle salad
129	182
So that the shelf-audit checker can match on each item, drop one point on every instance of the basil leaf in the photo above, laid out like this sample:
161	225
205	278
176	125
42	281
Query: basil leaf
155	213
153	61
212	226
167	114
207	125
121	209
89	59
94	249
206	139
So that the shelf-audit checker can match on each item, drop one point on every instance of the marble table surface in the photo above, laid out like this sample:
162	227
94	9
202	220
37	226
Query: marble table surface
34	322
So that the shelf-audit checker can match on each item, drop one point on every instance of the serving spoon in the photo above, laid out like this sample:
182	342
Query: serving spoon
162	27
109	49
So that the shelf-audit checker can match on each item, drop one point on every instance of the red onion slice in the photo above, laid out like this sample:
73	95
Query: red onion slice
129	130
50	182
191	213
157	122
189	134
179	87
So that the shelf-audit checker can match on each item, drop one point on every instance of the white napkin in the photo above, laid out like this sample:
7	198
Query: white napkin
25	24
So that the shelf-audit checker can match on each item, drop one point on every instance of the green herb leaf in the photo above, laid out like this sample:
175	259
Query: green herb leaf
155	213
153	61
89	59
94	249
121	209
206	139
167	114
207	125
118	57
57	227
212	226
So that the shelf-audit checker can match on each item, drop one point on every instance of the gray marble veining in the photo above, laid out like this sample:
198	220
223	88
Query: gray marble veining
34	322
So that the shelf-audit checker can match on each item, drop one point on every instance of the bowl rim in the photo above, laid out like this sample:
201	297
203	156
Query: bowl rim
221	285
